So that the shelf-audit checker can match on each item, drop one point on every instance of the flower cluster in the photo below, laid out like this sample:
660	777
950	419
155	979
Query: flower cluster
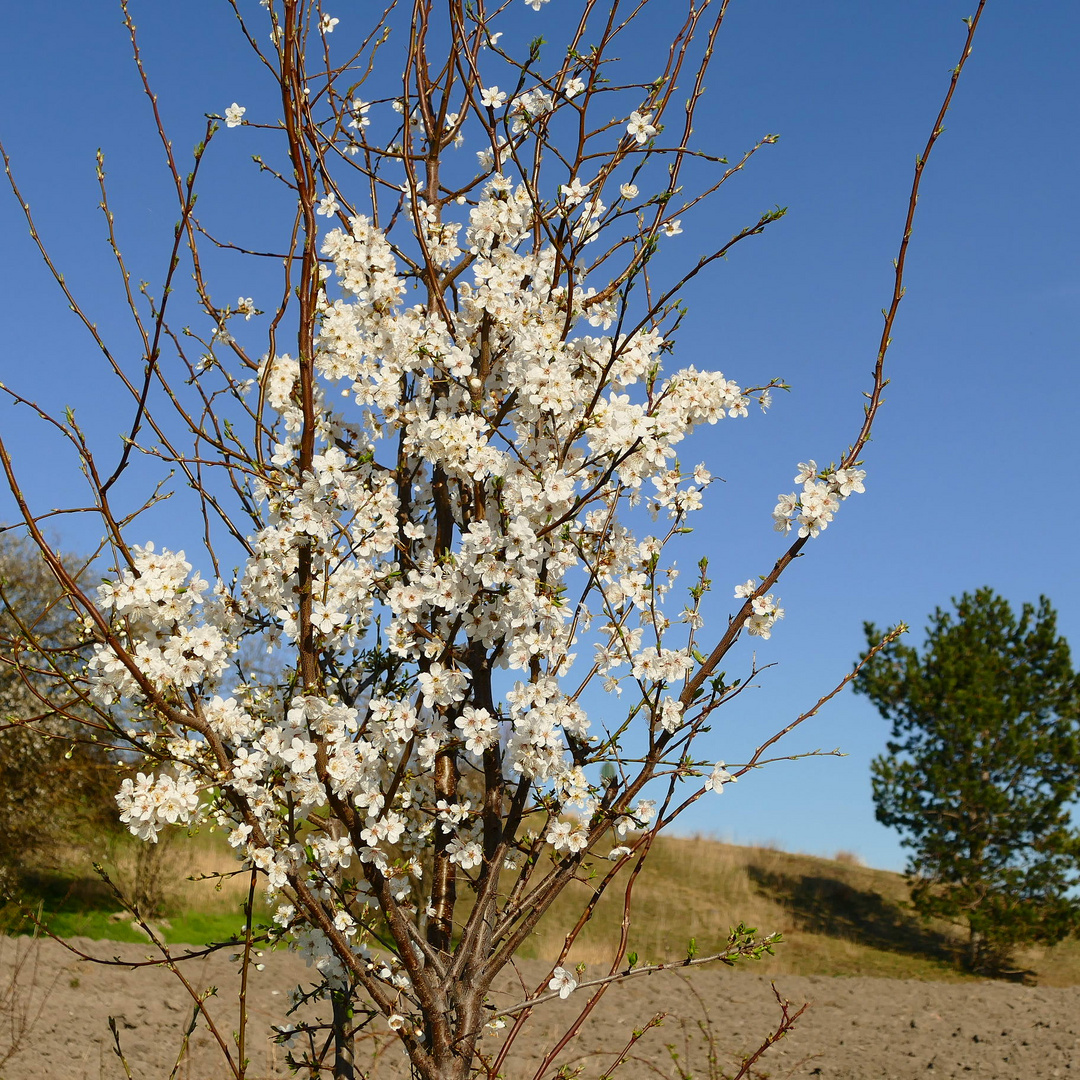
822	493
148	802
765	610
177	638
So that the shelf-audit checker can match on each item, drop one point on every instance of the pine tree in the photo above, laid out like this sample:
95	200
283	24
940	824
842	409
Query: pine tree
981	769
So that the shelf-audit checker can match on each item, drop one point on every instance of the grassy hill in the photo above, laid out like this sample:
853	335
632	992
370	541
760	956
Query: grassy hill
837	917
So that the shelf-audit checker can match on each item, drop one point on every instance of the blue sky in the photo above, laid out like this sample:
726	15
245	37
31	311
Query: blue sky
974	450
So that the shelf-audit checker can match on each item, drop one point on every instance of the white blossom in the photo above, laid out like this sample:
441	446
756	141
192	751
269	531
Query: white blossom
149	802
716	780
573	192
468	854
640	126
562	981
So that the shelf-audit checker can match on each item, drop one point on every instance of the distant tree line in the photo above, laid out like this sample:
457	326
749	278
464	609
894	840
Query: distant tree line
56	783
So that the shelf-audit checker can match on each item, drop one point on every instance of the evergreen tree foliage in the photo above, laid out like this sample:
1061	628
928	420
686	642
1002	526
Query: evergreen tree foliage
981	769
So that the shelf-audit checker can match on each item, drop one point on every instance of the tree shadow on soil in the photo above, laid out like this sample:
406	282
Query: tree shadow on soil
823	905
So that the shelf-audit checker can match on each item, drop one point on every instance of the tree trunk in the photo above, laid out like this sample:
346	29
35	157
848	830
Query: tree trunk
975	949
344	1051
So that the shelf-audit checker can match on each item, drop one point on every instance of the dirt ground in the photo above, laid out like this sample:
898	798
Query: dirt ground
854	1029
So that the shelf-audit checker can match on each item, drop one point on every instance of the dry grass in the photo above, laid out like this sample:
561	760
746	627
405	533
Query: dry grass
178	874
837	916
848	858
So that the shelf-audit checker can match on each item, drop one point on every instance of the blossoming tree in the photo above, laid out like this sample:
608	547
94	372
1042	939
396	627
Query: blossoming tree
435	492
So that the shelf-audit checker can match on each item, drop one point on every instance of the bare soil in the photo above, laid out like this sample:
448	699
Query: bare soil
856	1028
